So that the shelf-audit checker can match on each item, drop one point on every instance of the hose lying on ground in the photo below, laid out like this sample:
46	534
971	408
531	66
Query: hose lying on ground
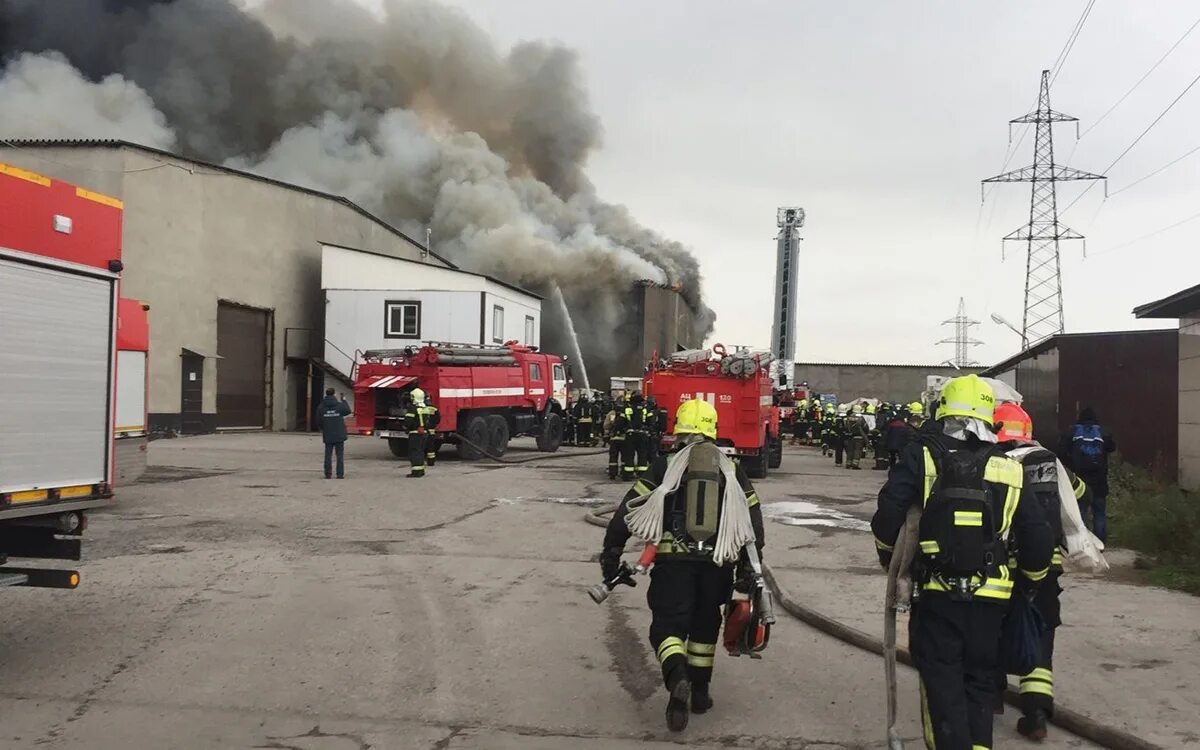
1072	721
528	459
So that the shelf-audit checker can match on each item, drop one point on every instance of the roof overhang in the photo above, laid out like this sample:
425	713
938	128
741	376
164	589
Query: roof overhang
1175	306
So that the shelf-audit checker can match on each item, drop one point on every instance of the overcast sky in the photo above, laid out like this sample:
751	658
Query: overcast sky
880	118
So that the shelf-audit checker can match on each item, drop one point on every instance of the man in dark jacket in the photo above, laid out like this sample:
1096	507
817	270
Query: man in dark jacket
1084	450
331	415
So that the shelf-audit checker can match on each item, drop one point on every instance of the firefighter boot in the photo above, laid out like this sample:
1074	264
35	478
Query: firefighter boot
677	705
1032	726
701	700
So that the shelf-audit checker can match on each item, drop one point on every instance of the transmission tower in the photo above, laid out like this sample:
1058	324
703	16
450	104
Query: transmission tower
1043	272
962	336
787	276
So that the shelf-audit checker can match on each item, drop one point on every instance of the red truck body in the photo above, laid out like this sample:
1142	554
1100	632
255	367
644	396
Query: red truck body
133	382
60	264
485	394
747	419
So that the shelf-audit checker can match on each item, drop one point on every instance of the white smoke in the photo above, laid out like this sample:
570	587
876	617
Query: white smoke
44	96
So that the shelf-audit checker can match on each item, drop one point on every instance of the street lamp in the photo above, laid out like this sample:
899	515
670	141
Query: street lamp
1000	320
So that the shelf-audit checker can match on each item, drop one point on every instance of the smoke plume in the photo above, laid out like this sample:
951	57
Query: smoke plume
414	113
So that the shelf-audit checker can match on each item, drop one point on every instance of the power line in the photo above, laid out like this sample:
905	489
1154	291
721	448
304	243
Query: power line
1143	78
1074	37
1155	233
1164	167
1136	140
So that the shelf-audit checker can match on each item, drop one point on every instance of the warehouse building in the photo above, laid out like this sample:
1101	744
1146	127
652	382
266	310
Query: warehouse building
230	265
659	320
1184	306
1129	377
893	383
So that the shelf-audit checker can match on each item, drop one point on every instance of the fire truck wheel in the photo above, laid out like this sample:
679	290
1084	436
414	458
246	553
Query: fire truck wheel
497	429
776	453
399	447
477	433
551	435
757	467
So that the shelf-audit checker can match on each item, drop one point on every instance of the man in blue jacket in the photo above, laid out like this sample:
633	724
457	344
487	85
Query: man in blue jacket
331	415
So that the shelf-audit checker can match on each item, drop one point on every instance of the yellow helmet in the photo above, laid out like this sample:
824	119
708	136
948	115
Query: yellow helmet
967	396
418	396
696	417
916	408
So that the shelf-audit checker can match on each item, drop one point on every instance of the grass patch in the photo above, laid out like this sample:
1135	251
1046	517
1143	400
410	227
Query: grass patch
1159	520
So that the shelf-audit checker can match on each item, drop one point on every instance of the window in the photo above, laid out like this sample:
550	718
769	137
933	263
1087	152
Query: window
529	326
535	371
498	324
402	320
560	372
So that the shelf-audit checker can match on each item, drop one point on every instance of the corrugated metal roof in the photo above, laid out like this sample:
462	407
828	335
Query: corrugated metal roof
116	143
1175	306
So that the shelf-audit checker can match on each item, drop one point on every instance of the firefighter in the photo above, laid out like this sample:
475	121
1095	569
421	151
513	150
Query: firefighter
615	437
632	423
1041	478
583	413
419	419
972	500
654	429
837	435
693	572
828	417
855	436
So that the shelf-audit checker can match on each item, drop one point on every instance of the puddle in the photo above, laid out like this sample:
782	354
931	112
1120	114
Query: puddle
803	513
161	474
585	501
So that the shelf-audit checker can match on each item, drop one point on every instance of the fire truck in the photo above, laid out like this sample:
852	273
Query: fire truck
485	394
739	386
133	346
60	265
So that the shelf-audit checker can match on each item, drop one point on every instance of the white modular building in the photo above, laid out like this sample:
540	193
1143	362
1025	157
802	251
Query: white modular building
376	301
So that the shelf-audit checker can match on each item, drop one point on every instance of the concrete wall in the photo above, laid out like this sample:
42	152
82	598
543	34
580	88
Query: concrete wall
1189	401
194	235
896	383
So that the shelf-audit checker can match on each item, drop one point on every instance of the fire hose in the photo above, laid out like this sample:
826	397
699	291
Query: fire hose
1072	721
528	459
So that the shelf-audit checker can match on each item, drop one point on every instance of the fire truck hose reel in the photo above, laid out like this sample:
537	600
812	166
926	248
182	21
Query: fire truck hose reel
1072	721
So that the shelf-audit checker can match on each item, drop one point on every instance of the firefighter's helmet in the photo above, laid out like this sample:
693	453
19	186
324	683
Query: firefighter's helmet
418	397
696	417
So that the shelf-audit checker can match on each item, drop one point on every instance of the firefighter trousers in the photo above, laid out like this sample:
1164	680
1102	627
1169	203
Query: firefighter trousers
685	599
634	454
615	449
955	646
416	452
583	433
1037	687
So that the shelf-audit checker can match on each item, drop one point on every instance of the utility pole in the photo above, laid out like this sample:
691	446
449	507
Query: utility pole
1043	271
787	277
962	337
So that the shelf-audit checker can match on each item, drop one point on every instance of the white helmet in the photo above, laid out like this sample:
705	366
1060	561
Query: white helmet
418	396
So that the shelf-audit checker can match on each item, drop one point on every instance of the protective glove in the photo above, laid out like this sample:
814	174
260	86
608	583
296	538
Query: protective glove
610	562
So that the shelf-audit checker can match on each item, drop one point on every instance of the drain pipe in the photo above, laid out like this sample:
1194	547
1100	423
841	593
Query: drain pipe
1072	721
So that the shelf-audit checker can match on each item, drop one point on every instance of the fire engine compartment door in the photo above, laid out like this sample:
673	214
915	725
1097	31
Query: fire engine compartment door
388	381
56	340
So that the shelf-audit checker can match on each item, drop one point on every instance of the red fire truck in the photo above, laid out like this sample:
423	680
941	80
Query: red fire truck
487	394
739	386
133	346
60	264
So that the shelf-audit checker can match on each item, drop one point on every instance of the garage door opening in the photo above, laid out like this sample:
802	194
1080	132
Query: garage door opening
243	341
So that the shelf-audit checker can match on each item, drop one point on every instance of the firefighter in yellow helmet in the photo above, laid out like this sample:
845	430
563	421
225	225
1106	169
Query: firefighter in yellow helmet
972	501
420	419
701	510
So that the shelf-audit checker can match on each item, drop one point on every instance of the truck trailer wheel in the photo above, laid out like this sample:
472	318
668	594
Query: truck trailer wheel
551	435
497	430
399	447
776	453
757	467
477	433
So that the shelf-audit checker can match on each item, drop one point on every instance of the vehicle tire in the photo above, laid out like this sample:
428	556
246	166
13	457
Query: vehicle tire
477	433
776	453
757	467
497	429
399	447
551	435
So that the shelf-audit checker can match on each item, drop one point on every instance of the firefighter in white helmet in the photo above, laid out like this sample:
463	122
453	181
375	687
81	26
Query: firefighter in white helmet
420	419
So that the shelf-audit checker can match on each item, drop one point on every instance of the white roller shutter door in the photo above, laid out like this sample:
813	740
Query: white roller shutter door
55	344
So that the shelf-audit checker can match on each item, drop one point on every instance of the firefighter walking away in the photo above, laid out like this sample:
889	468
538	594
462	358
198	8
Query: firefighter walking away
701	511
972	501
420	419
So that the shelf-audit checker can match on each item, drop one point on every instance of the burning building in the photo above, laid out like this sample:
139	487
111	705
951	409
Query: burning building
659	319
